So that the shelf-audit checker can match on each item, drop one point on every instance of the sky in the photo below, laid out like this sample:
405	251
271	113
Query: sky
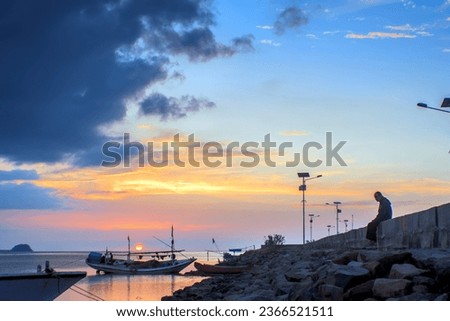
124	118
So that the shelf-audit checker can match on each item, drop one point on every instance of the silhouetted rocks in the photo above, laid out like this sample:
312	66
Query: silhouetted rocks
405	271
295	273
360	292
388	288
21	248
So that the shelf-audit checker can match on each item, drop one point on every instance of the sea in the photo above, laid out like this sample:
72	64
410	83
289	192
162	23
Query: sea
105	287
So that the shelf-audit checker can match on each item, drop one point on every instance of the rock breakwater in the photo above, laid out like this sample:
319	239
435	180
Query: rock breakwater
296	273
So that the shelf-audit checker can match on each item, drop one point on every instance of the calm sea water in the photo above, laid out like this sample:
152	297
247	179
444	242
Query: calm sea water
107	287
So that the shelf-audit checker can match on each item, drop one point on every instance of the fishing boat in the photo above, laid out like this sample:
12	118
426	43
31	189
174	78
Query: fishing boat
44	285
155	262
220	269
106	263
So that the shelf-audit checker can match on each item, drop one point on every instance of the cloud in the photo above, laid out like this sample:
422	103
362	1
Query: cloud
265	27
401	31
446	50
424	34
332	33
270	42
18	175
409	4
379	35
312	36
290	18
199	44
27	196
243	44
405	27
420	31
170	107
67	67
294	133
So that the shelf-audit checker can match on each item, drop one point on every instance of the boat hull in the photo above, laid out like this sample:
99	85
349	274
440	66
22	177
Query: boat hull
122	268
37	286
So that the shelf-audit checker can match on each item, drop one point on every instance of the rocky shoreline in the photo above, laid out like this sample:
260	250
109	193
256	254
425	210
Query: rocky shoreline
291	273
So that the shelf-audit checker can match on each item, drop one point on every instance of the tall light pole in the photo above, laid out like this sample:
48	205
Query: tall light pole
338	210
445	104
305	177
352	221
311	216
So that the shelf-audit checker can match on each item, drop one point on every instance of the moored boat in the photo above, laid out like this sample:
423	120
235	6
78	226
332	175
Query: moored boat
160	262
107	264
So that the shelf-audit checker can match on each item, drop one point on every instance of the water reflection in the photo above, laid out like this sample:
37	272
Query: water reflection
111	287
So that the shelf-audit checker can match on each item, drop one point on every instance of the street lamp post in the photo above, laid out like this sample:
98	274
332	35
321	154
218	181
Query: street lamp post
338	210
305	177
311	216
445	104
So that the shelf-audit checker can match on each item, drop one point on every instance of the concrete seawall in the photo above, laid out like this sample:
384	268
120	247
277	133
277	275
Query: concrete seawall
422	230
411	263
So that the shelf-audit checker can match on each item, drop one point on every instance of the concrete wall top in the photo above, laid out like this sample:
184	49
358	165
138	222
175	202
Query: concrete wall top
425	229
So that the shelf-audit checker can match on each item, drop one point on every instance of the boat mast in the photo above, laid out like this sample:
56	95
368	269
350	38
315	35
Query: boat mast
129	252
172	247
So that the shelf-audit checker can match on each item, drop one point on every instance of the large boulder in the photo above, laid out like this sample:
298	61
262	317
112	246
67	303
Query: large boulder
360	292
399	258
375	269
404	271
302	291
348	276
389	288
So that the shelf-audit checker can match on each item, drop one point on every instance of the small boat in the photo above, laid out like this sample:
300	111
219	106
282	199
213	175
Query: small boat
160	262
220	269
44	285
107	264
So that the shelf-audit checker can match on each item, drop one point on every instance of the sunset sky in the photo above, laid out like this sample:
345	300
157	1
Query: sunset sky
78	75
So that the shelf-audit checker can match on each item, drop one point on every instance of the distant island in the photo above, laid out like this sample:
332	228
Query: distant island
21	248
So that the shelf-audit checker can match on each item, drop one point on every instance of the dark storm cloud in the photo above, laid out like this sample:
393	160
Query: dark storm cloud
67	66
200	45
170	107
244	43
290	18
